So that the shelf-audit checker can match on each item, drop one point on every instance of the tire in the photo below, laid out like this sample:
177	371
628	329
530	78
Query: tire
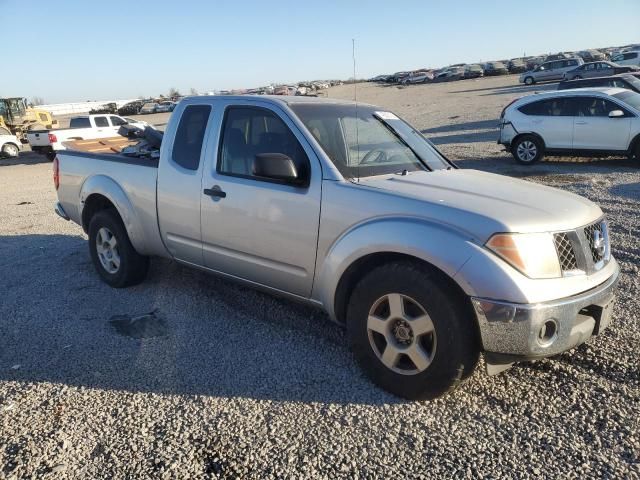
447	349
529	81
10	150
577	77
527	150
635	153
117	262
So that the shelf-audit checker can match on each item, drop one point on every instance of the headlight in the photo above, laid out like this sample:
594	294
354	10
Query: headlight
533	254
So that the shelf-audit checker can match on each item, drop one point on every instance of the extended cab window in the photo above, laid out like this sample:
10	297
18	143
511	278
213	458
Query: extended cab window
117	121
187	145
101	121
250	131
80	122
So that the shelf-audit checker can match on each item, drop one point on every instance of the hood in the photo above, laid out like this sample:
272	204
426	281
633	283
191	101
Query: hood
485	203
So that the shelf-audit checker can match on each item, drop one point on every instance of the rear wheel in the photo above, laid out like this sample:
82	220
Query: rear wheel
527	150
408	335
113	256
529	81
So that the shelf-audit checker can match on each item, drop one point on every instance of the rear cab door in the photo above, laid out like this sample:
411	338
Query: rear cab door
179	188
552	119
254	228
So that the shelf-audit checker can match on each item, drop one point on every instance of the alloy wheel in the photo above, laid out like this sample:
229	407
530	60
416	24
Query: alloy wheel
401	334
107	248
527	151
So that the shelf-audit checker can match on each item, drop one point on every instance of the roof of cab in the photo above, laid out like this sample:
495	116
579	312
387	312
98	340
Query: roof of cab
276	99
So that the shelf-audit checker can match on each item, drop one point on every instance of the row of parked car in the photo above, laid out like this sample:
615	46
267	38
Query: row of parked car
575	69
627	56
141	107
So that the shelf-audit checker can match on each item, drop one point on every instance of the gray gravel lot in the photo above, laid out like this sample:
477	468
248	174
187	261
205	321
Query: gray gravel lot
238	384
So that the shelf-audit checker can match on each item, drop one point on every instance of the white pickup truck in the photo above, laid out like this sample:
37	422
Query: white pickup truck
84	127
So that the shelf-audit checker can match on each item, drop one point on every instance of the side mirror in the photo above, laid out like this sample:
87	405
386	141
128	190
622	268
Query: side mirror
616	114
276	166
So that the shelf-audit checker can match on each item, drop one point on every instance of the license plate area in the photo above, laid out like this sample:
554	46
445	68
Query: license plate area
601	314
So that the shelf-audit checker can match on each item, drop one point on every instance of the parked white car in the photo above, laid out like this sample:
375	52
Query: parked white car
583	122
627	58
85	127
9	145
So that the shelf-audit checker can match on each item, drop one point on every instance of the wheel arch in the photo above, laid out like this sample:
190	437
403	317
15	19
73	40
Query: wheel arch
522	134
358	269
440	248
101	192
634	145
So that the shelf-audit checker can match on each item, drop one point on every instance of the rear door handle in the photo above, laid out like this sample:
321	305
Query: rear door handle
215	191
581	123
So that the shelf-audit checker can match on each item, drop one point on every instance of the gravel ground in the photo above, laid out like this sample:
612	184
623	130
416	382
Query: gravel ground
228	382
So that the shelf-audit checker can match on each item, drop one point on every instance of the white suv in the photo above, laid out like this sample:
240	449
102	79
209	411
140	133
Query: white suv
583	122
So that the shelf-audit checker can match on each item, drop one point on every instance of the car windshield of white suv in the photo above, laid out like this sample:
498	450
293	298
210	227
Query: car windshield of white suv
363	141
630	98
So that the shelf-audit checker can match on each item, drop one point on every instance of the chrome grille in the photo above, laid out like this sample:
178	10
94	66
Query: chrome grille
591	232
566	255
585	250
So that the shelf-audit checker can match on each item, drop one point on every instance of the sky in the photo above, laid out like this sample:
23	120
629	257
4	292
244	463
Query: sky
78	50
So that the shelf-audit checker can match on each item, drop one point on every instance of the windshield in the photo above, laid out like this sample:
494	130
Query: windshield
630	98
374	142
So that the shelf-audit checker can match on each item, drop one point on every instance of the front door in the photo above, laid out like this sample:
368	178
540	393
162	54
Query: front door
255	228
594	130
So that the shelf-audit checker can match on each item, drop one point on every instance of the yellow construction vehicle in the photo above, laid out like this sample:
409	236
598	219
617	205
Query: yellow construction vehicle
18	118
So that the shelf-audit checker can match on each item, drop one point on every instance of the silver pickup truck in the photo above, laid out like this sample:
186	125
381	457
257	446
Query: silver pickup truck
347	207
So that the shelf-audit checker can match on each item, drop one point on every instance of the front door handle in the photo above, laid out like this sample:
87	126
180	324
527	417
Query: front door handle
581	123
215	191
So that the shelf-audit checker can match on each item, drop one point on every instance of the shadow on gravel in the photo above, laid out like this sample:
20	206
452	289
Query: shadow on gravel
627	190
24	158
180	332
586	359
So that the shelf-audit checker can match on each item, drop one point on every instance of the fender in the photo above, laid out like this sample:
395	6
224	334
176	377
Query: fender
441	245
109	188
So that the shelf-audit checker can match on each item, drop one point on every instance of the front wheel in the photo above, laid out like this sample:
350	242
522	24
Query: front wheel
408	335
529	81
113	256
527	150
10	150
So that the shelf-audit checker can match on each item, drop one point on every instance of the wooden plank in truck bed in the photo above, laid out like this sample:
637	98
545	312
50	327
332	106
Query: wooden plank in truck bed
100	145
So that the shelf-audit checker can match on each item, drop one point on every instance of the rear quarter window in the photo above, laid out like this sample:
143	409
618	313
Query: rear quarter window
187	145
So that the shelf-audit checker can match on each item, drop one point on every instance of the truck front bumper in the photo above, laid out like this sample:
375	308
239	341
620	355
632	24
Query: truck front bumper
512	331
